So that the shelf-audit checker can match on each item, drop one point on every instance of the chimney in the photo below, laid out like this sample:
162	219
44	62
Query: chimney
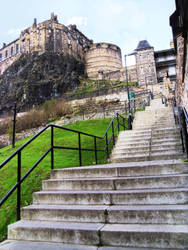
4	45
35	22
52	16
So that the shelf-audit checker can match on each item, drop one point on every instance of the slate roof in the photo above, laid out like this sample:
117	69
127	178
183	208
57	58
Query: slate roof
143	45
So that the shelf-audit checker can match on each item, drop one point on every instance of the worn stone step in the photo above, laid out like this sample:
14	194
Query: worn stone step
39	245
59	232
128	235
167	146
133	139
113	197
145	151
118	157
120	183
76	213
138	148
135	235
123	169
142	214
29	245
148	214
166	140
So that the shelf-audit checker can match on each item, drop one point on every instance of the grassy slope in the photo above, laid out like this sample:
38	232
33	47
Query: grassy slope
63	158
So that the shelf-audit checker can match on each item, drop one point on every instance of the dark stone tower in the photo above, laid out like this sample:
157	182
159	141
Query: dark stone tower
145	63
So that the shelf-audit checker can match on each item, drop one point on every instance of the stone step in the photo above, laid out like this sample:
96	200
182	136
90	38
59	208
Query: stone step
59	232
146	150
29	245
167	196
135	235
118	157
142	214
166	140
120	183
124	235
123	169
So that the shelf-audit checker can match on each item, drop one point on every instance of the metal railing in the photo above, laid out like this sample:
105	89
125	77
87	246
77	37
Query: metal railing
181	119
112	128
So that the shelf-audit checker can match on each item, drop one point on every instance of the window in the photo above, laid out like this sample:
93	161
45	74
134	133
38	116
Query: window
17	48
0	57
6	53
12	51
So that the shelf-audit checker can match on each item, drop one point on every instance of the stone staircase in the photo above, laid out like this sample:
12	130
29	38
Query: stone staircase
138	201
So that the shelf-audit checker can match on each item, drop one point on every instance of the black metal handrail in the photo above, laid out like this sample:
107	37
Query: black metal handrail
18	152
181	118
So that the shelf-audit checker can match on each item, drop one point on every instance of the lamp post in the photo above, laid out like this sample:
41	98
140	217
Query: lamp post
127	86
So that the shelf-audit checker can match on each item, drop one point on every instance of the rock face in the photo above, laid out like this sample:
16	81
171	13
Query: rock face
35	78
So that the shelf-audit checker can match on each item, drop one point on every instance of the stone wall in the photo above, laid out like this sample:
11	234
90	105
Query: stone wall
8	54
102	57
146	68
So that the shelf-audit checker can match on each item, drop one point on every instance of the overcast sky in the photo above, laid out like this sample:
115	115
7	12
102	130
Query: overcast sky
121	22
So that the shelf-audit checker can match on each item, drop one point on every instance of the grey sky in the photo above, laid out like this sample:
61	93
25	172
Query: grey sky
122	22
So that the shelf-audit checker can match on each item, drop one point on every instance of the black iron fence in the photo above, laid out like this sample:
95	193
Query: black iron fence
108	137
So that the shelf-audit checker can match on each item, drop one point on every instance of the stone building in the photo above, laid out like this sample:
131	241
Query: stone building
103	60
49	36
145	63
178	22
165	64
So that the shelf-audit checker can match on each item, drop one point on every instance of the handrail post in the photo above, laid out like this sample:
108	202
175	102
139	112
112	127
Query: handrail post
124	123
118	121
52	147
180	127
107	151
14	127
95	146
184	125
113	133
19	185
79	147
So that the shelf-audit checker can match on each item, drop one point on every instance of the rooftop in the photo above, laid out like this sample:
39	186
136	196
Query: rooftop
143	45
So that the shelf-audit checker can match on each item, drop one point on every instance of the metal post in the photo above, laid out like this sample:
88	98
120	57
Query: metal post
79	147
52	147
113	133
124	123
130	121
95	146
184	125
14	127
127	86
118	121
107	151
19	186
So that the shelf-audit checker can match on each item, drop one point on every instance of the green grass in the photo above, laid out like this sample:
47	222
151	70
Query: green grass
63	159
88	86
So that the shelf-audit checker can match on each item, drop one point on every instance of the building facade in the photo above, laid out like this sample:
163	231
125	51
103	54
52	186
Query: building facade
145	63
179	24
165	61
48	36
102	59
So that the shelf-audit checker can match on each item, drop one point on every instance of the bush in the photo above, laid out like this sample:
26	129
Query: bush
50	111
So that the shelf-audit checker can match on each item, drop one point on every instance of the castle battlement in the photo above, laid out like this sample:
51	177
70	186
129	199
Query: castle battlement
49	36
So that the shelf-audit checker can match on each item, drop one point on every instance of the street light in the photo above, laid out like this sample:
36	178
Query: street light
129	106
127	86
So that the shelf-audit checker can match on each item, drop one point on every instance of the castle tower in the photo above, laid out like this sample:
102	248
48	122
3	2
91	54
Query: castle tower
145	63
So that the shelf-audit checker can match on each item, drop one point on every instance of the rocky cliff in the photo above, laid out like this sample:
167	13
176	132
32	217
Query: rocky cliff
35	78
